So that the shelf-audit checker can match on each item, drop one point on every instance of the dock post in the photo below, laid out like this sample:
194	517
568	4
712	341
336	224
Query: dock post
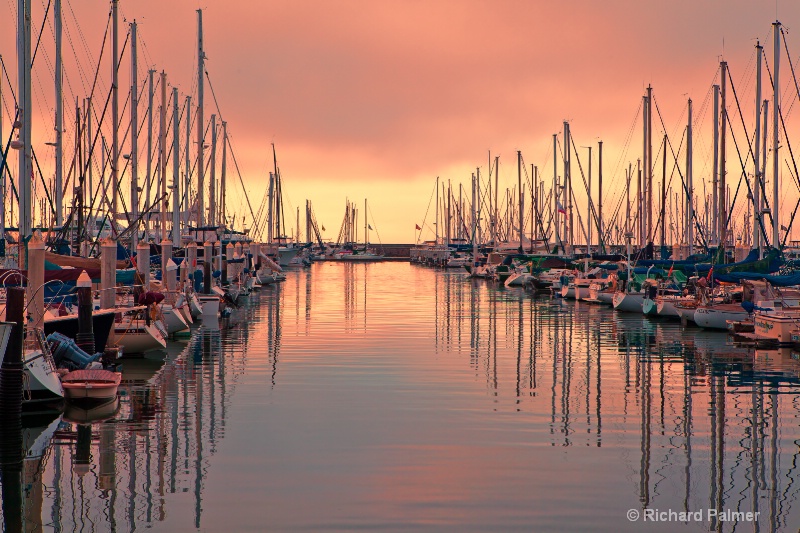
191	260
85	337
35	289
108	274
226	265
208	251
184	273
11	370
237	269
11	445
167	276
143	263
252	258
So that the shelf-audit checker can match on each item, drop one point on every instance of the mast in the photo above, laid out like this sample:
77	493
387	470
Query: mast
134	135
148	183
639	202
79	185
436	224
757	157
649	166
222	186
568	233
273	188
103	182
186	198
664	200
200	123
459	233
715	171
449	215
776	113
555	189
534	204
366	225
521	197
26	112
269	209
478	208
600	233
114	118
642	179
162	155
88	108
176	178
212	189
589	208
722	195
764	134
59	119
689	185
627	202
495	220
474	226
308	221
490	211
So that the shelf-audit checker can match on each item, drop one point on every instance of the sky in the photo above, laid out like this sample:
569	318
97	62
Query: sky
375	100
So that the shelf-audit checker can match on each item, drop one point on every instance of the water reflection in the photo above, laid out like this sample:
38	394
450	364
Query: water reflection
398	385
716	422
112	467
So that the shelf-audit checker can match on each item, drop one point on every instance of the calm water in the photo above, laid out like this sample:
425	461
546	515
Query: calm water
394	397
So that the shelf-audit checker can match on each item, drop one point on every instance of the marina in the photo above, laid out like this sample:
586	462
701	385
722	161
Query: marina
597	329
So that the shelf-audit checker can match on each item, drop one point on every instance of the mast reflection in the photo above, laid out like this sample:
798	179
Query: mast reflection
713	418
156	439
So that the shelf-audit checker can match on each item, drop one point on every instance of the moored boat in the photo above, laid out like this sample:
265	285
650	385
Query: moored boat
717	316
91	384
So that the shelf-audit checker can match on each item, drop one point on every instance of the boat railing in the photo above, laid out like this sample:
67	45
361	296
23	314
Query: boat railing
36	341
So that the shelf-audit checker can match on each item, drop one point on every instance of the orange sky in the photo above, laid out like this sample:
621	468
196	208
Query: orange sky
377	99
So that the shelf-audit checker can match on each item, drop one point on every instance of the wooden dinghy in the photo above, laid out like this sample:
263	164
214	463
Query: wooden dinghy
91	384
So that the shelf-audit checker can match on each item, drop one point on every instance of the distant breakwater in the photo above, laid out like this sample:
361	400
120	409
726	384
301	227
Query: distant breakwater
395	250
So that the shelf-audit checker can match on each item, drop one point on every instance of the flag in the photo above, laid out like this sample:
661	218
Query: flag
418	228
560	208
323	228
370	227
710	272
670	270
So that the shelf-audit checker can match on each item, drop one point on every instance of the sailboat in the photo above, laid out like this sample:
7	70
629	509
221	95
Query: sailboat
351	251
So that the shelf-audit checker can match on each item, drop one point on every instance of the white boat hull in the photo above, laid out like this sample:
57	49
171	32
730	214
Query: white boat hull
210	304
42	380
711	318
186	311
518	280
686	313
138	338
628	302
195	307
174	320
666	307
285	256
